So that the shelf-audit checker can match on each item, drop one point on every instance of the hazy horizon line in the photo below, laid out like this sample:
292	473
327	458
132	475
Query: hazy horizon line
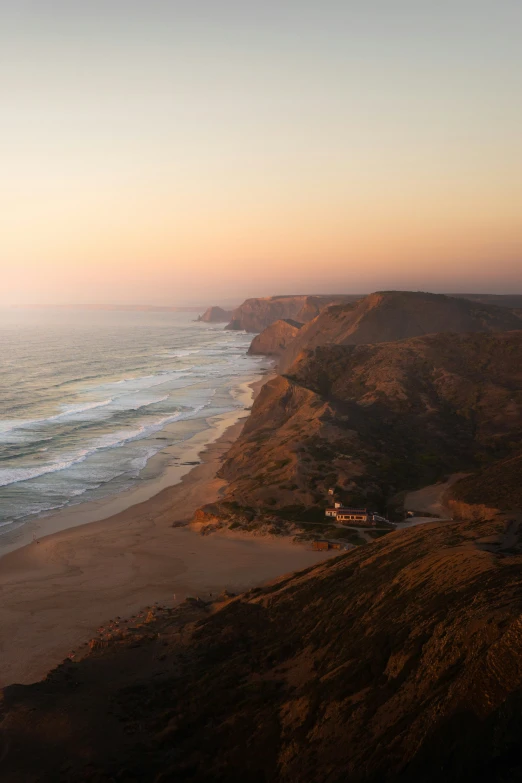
227	304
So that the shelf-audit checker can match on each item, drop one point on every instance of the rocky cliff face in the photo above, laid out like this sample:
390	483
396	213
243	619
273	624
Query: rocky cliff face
372	420
216	315
396	315
398	662
254	315
275	338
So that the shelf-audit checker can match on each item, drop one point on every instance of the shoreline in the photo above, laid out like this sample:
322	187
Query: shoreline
144	488
56	593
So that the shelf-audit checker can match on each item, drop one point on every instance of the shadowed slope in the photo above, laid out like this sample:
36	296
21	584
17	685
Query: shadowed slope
372	420
497	486
513	301
397	662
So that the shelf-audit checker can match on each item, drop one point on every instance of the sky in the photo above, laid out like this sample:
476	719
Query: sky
201	151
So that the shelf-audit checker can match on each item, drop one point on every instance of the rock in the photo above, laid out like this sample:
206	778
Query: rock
275	338
215	315
254	315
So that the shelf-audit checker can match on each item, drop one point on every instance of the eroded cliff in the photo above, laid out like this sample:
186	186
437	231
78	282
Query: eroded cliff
371	420
254	315
396	315
275	338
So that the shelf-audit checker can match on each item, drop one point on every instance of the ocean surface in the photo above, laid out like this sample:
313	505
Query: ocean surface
88	397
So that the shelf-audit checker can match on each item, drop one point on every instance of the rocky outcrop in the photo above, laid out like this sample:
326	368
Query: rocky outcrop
396	315
371	421
397	662
216	315
275	338
254	315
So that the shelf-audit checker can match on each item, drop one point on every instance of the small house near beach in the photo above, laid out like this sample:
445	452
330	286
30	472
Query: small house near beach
352	516
360	516
332	512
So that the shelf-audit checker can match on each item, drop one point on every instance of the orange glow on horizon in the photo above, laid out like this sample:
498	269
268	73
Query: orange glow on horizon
177	157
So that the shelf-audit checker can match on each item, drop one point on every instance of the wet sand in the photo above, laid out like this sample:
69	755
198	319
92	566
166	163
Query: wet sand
56	591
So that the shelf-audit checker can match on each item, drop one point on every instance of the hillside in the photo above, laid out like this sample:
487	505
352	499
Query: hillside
273	340
371	420
512	301
396	315
398	662
498	486
254	315
216	315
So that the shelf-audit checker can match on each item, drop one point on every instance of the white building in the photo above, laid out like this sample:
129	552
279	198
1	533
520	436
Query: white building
359	516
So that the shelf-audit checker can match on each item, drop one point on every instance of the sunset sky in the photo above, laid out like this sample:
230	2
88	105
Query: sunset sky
200	151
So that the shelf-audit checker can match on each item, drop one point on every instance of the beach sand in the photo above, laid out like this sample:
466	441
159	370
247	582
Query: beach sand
56	591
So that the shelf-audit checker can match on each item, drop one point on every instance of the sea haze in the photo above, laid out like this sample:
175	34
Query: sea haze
87	398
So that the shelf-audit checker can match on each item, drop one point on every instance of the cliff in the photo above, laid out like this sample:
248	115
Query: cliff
396	315
275	338
254	315
371	420
216	315
397	663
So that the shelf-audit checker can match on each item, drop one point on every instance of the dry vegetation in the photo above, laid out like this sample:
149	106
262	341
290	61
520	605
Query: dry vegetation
371	421
396	662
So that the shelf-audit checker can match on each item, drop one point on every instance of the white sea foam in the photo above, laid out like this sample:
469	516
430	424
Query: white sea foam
83	412
99	418
143	382
68	410
17	475
180	354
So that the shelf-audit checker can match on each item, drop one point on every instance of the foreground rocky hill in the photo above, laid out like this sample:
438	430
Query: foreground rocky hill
399	661
254	315
274	340
396	315
371	421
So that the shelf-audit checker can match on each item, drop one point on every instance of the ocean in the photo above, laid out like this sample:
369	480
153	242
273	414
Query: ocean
87	398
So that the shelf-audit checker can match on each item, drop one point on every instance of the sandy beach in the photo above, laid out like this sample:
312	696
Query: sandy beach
57	590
